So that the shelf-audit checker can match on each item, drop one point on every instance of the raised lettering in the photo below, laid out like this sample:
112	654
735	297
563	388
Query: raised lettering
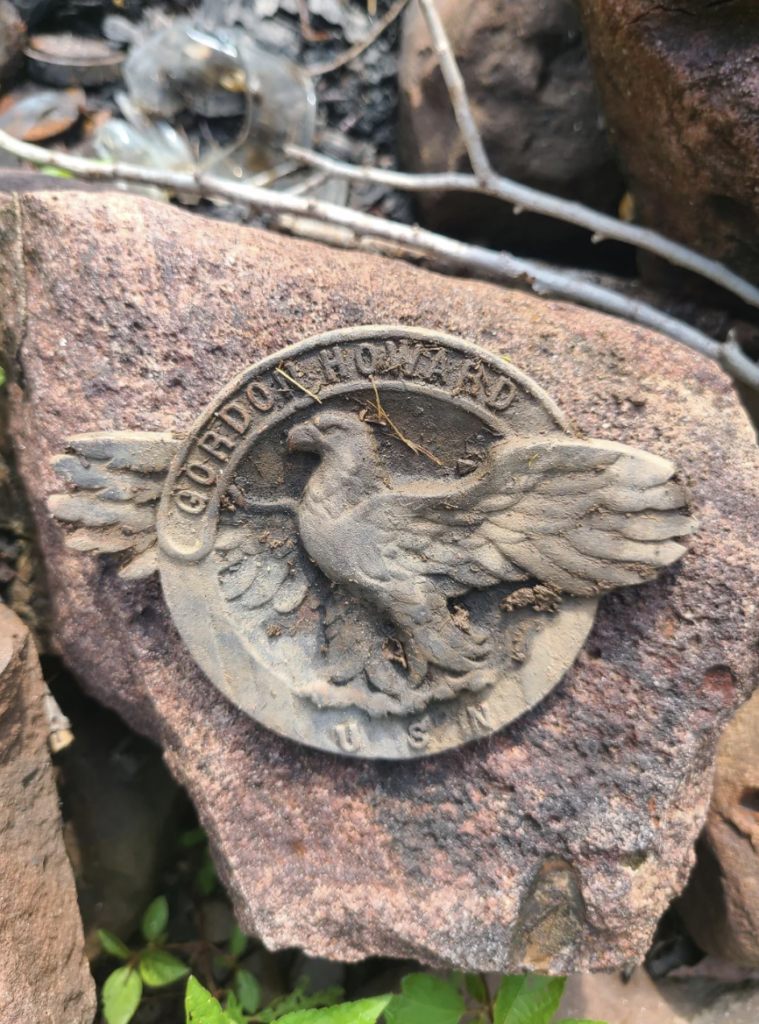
215	444
479	717
200	473
366	359
403	357
418	733
235	417
436	366
349	736
501	395
190	502
465	377
333	363
259	396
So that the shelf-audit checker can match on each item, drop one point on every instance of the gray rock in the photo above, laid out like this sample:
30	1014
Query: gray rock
721	903
555	844
122	818
44	977
643	1001
12	40
535	103
678	87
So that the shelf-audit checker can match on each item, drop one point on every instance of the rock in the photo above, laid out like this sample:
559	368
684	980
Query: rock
679	87
609	997
44	977
579	818
720	906
643	1001
122	811
12	42
535	103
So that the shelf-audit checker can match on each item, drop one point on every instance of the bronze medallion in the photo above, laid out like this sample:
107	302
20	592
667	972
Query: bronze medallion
382	541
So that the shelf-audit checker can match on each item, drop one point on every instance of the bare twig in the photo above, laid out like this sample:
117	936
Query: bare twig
457	91
272	174
536	201
354	51
308	31
314	180
292	380
500	266
733	359
384	421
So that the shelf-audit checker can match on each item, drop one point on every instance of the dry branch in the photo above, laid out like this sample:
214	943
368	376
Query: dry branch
457	91
345	58
536	201
499	266
289	210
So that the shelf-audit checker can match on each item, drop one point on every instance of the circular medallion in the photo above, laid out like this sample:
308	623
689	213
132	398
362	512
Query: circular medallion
319	549
382	541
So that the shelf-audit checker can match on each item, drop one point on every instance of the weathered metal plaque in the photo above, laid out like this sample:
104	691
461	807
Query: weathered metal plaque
382	541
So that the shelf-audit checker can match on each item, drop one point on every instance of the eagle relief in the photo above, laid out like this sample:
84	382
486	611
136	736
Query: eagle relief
382	541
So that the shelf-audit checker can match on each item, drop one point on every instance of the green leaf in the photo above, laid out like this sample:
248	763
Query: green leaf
112	945
193	837
233	1010
364	1011
56	172
158	968
528	999
122	993
238	943
248	990
206	877
155	918
425	999
476	988
2	376
298	1000
200	1006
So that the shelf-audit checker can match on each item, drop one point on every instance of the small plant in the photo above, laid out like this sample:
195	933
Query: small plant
153	966
423	999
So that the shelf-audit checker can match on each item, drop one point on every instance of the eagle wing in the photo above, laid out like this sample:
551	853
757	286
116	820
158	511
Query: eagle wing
258	568
117	478
579	516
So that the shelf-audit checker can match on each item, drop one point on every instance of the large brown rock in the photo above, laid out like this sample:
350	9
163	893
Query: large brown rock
535	103
12	40
44	977
680	87
721	903
557	842
640	1000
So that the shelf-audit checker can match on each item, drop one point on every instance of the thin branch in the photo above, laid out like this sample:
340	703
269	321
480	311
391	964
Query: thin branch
307	30
272	174
292	380
497	265
356	50
384	421
536	201
314	180
457	91
733	359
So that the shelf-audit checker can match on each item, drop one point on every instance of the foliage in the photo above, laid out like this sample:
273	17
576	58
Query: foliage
299	999
424	999
230	993
151	966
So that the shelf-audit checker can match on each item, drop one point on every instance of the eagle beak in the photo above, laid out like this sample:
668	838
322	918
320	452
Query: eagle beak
303	438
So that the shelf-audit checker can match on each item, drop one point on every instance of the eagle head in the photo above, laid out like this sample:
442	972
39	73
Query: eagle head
328	432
